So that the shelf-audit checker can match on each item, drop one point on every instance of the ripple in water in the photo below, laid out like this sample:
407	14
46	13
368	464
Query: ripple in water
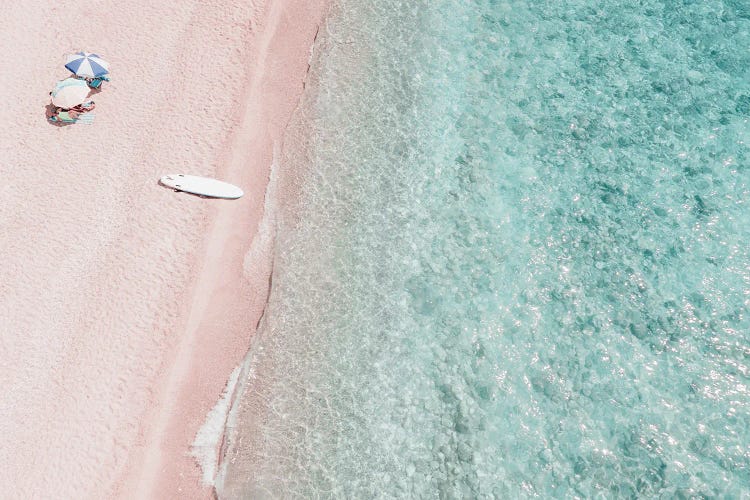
520	262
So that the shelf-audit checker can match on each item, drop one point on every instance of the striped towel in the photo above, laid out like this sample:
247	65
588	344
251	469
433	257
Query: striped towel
86	118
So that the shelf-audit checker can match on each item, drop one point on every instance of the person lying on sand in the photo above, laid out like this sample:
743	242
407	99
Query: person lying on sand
68	115
62	115
84	107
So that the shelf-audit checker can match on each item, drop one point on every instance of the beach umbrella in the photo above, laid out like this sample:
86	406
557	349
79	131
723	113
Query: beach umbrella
69	92
87	64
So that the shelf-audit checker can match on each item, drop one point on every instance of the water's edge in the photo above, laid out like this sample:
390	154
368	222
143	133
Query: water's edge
518	262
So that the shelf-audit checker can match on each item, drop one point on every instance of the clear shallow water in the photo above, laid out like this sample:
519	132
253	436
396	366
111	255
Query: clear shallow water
520	263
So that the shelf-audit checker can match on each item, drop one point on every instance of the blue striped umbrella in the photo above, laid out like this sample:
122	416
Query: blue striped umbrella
87	64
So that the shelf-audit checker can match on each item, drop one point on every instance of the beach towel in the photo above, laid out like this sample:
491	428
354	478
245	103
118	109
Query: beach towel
86	119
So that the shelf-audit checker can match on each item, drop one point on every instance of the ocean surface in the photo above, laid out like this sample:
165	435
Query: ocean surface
520	261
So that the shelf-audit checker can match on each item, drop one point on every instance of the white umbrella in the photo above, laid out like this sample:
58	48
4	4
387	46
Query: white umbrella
70	92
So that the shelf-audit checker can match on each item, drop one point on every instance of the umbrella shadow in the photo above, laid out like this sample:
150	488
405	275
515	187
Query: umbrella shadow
49	112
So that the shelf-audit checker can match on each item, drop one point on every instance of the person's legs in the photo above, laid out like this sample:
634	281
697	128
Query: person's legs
84	107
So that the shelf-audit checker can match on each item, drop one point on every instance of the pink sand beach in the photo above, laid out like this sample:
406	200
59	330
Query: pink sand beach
124	306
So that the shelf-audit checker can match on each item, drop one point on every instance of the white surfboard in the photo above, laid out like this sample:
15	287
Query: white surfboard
203	186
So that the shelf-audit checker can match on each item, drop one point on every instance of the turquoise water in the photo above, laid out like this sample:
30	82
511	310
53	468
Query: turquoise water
520	264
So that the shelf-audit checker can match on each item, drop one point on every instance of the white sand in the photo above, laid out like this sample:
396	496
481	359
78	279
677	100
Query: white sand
125	306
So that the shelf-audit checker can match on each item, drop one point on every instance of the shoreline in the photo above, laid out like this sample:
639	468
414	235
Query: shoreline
270	98
126	306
